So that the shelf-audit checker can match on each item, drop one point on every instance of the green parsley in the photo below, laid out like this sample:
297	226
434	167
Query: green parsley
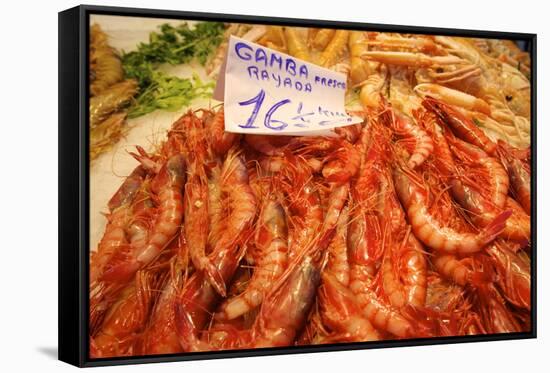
172	45
169	93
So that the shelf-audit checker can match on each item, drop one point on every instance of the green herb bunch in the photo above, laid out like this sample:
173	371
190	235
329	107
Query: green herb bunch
169	93
173	45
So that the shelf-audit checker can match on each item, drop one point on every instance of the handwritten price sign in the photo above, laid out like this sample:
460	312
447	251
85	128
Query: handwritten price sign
268	92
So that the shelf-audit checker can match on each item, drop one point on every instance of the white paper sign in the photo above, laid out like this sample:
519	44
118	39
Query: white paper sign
272	93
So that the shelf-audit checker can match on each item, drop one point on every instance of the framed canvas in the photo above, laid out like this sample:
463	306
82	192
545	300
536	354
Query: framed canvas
234	186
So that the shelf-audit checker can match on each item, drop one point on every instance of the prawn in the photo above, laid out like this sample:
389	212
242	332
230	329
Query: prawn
371	88
338	264
106	66
426	227
365	231
284	310
215	204
359	69
453	268
494	313
126	318
417	142
196	220
304	211
271	241
196	194
519	173
120	213
160	336
342	164
167	187
322	37
409	59
340	312
482	201
513	270
452	97
334	49
477	162
365	238
295	44
125	262
461	126
274	38
111	100
198	298
403	268
379	314
485	202
241	203
408	258
122	266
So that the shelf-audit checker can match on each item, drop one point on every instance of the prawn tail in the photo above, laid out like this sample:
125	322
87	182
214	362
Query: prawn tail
102	296
120	272
94	350
185	327
121	267
492	230
336	176
215	279
484	273
326	238
480	279
97	314
426	320
145	160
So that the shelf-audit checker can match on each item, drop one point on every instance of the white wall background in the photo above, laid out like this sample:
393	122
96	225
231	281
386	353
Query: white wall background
28	185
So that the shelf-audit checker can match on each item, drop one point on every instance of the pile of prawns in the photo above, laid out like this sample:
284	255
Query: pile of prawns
399	227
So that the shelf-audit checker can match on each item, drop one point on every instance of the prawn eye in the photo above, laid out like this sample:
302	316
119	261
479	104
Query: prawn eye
439	70
509	98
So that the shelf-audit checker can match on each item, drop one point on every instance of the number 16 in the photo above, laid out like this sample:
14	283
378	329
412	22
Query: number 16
257	100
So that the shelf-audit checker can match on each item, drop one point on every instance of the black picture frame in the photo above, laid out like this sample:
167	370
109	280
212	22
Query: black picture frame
74	180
